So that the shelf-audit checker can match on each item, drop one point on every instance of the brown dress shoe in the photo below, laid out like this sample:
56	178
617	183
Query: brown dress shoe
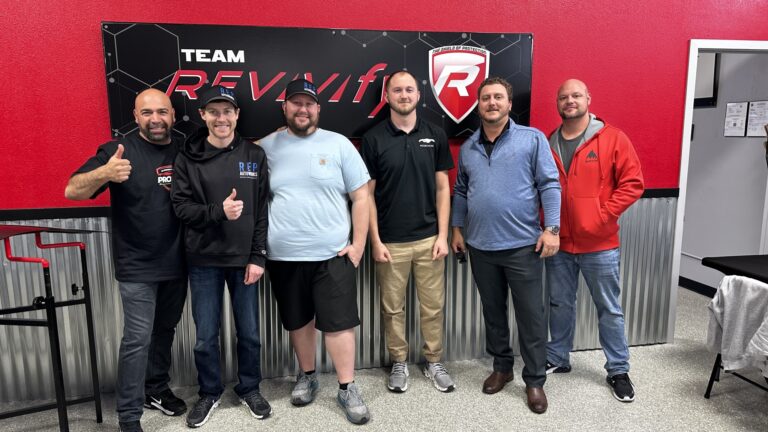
496	381
537	399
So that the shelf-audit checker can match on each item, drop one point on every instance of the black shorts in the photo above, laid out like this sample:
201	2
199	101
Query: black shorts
323	290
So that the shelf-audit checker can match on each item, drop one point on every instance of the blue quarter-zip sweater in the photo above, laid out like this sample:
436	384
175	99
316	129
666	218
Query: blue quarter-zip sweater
497	199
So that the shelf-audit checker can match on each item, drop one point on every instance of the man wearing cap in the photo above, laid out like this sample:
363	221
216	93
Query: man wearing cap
408	160
506	174
146	251
312	262
220	193
601	177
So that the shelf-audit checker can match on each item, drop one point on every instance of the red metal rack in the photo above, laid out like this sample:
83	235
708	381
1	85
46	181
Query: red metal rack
49	304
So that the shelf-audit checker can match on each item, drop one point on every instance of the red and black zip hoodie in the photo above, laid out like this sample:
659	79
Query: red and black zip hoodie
604	179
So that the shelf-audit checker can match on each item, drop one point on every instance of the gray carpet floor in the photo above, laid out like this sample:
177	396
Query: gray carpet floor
670	380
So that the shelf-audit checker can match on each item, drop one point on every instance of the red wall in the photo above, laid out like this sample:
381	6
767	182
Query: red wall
633	55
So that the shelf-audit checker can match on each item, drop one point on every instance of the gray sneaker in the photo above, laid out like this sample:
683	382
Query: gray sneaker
398	377
439	376
304	391
351	400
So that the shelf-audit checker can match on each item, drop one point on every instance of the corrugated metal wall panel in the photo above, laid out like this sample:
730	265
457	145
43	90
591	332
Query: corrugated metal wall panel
646	260
647	232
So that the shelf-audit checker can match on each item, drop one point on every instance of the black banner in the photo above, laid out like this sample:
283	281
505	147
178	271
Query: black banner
349	67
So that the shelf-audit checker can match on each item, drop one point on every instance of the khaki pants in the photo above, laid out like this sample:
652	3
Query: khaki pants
430	287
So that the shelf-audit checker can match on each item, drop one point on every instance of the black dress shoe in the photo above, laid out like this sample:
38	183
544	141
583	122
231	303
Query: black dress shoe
537	399
496	381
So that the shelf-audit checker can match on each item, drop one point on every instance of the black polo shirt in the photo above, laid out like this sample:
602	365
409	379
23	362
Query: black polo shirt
404	167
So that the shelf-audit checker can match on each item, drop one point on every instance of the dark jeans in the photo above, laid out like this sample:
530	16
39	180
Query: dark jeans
151	311
518	270
207	288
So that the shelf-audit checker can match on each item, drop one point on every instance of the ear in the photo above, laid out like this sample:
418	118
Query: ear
135	116
202	113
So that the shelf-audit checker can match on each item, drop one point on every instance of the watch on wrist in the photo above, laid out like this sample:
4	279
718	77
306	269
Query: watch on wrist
554	229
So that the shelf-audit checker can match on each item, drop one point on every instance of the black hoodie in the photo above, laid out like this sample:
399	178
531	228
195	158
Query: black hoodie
204	177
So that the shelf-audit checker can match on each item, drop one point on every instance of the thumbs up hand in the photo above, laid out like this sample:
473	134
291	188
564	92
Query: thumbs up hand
118	169
232	208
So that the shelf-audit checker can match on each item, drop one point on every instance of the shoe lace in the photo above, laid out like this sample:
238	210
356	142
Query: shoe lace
203	404
354	396
621	379
303	379
438	369
255	400
166	394
399	368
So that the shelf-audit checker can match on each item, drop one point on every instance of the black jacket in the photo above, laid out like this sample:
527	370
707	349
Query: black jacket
204	176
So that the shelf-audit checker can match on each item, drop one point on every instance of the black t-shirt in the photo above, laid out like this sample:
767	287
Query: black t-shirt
146	235
404	167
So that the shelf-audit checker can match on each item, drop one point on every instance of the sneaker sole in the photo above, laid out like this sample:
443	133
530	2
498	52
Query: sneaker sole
557	370
437	386
158	407
197	425
260	417
625	400
398	389
362	421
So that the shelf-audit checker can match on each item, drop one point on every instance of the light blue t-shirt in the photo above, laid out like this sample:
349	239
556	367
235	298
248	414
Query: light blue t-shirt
309	181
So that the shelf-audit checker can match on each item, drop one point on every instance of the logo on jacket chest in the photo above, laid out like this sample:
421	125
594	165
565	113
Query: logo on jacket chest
248	170
591	156
164	176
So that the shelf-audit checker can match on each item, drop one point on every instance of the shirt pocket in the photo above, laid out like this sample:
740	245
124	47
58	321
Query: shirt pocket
322	166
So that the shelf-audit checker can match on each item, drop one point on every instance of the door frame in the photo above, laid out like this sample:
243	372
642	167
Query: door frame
697	46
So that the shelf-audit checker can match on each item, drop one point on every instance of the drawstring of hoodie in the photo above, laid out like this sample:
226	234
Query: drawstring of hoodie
599	161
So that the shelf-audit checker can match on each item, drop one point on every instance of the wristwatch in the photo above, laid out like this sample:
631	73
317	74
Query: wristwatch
554	229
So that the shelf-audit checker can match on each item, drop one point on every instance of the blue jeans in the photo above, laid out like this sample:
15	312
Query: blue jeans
601	272
207	288
151	311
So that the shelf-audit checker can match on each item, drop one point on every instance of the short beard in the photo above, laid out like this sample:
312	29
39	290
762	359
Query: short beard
578	114
403	112
302	131
155	138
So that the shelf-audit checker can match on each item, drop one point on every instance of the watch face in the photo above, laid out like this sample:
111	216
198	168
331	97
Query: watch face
553	229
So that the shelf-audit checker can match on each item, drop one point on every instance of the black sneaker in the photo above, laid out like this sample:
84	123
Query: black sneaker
133	426
557	369
623	389
166	402
257	405
201	411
